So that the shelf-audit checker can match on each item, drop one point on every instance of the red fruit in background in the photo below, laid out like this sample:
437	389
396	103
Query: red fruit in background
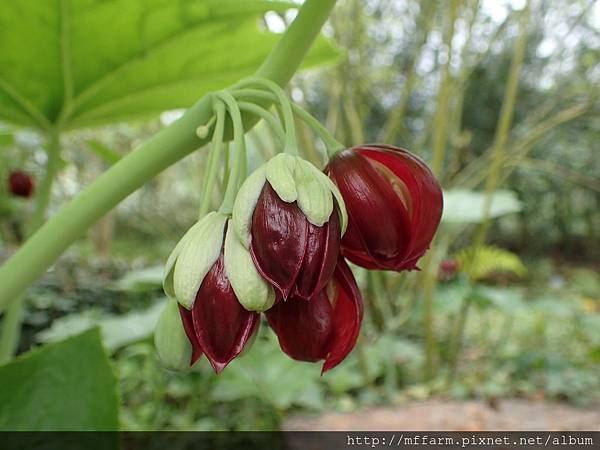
295	256
20	183
394	205
325	328
218	325
448	268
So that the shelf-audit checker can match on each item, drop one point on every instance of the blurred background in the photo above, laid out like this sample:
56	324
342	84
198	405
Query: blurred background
500	329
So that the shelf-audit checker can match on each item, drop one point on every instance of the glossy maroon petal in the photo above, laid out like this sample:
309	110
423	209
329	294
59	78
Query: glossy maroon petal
379	227
425	191
347	314
398	189
303	328
188	326
323	328
221	325
279	239
322	250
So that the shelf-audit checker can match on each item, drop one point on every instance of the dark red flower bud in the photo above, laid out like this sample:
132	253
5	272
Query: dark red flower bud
394	205
325	328
199	274
218	325
20	183
295	256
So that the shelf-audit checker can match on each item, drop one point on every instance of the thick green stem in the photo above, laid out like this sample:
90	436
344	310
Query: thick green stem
13	318
146	161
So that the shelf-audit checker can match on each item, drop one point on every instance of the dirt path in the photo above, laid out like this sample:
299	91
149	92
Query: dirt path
517	415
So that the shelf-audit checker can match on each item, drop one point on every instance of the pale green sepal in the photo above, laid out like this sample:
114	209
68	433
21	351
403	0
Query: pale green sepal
170	265
341	205
245	202
172	345
314	194
280	175
196	258
251	290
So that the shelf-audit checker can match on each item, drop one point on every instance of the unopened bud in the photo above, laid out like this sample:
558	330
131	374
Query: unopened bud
172	345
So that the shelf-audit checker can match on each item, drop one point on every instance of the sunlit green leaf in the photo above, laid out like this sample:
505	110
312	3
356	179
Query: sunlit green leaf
80	63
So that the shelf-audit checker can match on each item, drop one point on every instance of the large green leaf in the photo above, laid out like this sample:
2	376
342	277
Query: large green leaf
89	62
64	386
464	206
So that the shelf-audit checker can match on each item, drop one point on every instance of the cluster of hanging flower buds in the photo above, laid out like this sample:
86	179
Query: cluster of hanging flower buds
278	243
20	184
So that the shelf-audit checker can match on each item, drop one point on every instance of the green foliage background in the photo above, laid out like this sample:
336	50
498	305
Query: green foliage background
520	316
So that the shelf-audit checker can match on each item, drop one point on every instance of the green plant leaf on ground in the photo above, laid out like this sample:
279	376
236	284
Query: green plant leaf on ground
69	385
480	262
464	206
140	280
116	330
268	374
84	63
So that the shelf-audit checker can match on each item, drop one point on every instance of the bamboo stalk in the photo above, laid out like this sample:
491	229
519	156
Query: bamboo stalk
439	148
475	173
440	131
393	126
504	122
502	131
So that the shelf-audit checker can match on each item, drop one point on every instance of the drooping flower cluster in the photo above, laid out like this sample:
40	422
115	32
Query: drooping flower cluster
279	254
280	250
